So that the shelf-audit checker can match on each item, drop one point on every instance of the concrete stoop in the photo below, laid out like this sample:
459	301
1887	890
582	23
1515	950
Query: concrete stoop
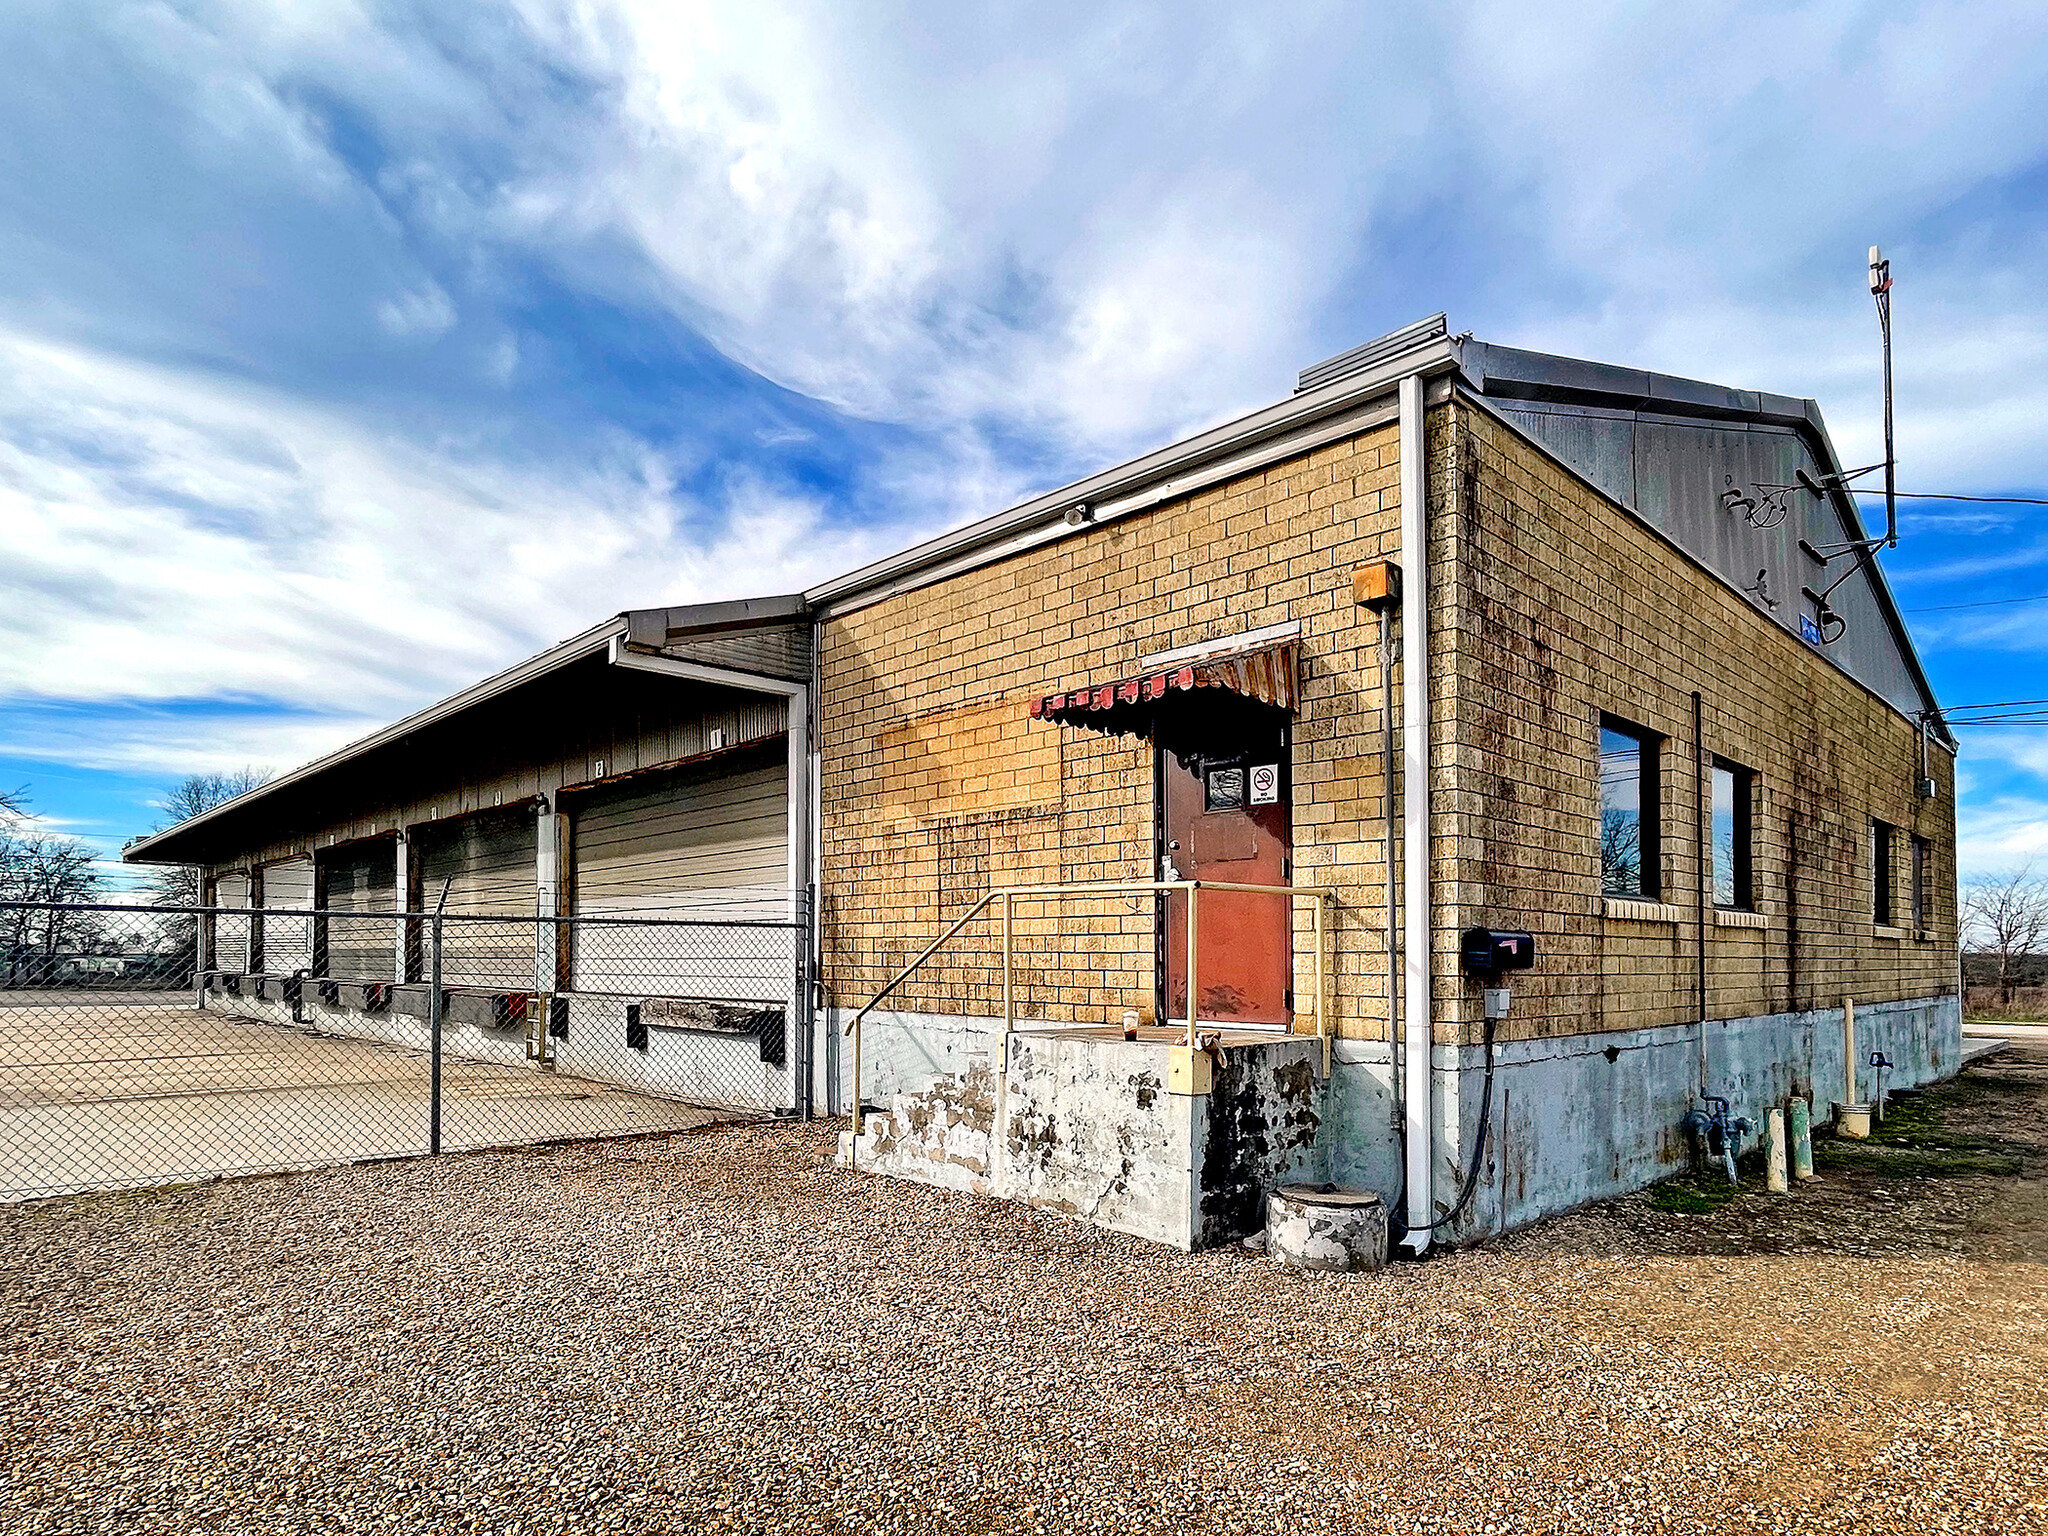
1081	1122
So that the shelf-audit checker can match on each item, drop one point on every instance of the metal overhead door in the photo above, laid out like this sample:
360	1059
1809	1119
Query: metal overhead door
487	864
287	941
231	933
708	844
362	892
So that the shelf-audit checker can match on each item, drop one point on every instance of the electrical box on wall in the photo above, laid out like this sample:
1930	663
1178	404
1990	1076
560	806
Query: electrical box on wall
1489	951
1377	585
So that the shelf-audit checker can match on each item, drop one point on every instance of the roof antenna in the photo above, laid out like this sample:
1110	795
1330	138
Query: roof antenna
1831	624
1881	291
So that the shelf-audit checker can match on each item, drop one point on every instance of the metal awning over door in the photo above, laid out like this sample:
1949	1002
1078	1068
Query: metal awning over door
1135	706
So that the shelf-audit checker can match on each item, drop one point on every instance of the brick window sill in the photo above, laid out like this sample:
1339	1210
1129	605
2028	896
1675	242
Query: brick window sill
1725	917
1629	910
1886	931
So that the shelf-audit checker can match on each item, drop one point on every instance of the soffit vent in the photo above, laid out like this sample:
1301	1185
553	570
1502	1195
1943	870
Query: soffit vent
1360	358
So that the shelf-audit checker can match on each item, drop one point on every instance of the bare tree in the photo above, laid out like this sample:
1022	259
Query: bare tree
47	870
177	885
2006	916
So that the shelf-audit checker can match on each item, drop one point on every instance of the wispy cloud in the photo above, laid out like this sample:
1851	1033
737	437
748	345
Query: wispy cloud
348	353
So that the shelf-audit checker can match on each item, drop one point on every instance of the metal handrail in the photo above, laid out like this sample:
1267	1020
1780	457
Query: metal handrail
1324	896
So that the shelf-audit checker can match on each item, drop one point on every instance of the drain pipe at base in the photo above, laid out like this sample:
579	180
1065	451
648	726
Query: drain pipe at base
1416	1083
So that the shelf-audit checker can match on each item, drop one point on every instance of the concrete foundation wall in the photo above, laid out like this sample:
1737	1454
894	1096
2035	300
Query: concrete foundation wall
1088	1130
697	1065
1585	1117
1084	1125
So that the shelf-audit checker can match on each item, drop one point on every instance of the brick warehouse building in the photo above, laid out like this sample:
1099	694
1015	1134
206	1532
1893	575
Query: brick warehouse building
1668	732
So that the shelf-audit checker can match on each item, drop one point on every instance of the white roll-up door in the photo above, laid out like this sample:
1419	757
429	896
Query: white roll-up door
487	863
362	880
231	934
708	844
287	941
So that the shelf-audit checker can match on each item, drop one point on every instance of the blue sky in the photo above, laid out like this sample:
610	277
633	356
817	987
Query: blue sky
351	351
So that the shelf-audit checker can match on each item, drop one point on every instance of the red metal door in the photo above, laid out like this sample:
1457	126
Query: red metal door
1228	818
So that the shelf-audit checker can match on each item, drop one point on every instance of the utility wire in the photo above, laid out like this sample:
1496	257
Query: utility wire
1990	602
2016	501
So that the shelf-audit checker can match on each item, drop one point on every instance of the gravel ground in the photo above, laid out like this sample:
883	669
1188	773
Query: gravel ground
721	1331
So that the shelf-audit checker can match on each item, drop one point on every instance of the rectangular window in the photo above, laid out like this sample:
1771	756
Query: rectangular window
1923	859
1733	789
1882	907
1628	810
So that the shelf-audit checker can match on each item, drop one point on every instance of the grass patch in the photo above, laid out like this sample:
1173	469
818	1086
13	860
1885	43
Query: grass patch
1914	1142
1915	1162
1690	1195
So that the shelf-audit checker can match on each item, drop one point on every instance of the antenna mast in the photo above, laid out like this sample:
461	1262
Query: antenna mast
1881	291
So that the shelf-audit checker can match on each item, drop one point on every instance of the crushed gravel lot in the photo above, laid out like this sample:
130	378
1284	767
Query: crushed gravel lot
721	1331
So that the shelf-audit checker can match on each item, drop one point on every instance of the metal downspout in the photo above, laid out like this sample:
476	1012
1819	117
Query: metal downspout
1701	854
1416	1083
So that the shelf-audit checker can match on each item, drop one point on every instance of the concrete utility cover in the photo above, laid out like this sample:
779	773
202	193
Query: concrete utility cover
100	1092
1316	1226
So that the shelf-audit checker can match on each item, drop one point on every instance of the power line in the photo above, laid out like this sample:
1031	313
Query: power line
1990	602
2016	501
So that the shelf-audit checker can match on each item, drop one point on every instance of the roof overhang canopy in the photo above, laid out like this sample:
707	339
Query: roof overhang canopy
1190	707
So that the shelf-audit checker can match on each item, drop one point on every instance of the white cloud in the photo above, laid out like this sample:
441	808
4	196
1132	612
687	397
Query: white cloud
2001	833
426	310
1041	241
169	535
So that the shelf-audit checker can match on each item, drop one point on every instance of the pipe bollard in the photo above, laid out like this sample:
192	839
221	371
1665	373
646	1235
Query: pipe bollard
1774	1155
1802	1140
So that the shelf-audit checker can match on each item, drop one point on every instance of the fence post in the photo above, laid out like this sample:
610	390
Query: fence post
434	1028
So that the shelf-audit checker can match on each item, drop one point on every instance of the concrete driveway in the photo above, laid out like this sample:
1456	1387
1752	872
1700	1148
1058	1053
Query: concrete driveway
105	1091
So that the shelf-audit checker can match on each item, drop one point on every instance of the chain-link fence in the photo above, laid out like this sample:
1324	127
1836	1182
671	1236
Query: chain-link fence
152	1045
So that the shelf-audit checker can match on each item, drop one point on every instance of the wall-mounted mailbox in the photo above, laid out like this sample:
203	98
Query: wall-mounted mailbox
1489	951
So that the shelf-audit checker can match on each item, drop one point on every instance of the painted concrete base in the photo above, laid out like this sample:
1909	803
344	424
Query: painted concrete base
706	1067
1081	1124
1321	1227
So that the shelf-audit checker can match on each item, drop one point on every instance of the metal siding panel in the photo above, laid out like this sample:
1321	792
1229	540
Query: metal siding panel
780	652
1672	473
1601	446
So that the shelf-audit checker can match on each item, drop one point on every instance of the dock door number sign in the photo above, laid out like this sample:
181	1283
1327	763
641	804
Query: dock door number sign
1265	784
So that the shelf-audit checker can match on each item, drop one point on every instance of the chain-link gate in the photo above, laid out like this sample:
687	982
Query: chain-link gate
152	1045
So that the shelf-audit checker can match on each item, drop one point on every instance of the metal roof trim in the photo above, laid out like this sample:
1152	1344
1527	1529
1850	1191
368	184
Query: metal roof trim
656	626
593	641
1217	443
1809	423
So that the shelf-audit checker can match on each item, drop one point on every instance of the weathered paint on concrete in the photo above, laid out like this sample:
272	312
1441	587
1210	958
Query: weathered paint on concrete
1258	1126
1583	1117
1081	1123
1321	1227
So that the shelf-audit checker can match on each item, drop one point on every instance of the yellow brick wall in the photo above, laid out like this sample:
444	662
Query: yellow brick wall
1565	607
1550	605
937	784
